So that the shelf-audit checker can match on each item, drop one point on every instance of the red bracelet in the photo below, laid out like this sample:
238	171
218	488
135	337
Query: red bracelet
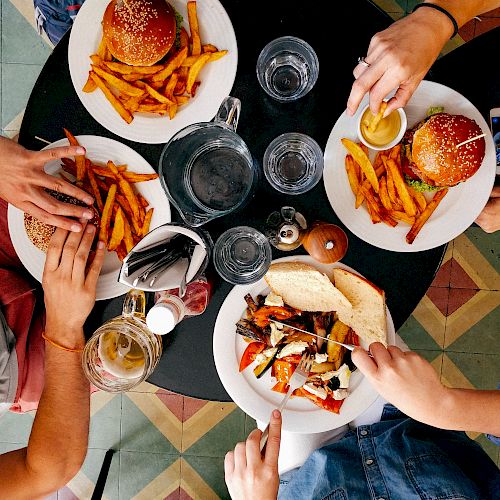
59	346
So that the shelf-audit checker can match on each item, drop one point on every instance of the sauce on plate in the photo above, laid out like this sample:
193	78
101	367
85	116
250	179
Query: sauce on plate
386	131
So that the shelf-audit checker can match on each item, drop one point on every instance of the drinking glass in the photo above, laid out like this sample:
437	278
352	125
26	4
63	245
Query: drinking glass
293	163
287	68
242	255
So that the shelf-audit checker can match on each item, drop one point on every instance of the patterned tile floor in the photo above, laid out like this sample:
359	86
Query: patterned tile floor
169	446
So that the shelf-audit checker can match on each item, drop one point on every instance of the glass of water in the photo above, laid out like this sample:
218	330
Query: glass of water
293	163
242	255
287	68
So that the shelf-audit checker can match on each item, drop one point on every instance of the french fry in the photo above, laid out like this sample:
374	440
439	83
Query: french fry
377	118
181	99
118	231
372	213
363	147
105	172
424	216
391	189
208	47
194	70
180	87
169	88
97	60
152	108
121	251
106	214
172	64
156	95
215	56
125	69
132	104
156	85
395	153
172	111
133	177
142	200
360	157
132	77
195	88
115	102
402	216
93	185
126	189
400	184
183	38
118	83
351	174
79	159
147	222
384	195
379	210
101	49
127	235
419	198
194	29
90	85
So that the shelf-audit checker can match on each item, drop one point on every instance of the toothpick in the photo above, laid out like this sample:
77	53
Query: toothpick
42	140
470	140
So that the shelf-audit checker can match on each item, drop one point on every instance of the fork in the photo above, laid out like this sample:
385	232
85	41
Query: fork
298	379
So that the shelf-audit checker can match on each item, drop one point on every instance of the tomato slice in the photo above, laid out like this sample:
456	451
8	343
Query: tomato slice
293	358
250	352
329	404
283	370
261	317
281	387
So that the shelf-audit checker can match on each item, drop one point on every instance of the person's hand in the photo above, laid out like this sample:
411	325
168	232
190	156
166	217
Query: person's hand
24	181
248	474
69	283
489	218
399	58
404	379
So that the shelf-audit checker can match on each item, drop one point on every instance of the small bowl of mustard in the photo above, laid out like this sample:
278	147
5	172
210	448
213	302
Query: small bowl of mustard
388	132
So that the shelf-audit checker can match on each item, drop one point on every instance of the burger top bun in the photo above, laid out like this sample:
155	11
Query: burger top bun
435	152
139	32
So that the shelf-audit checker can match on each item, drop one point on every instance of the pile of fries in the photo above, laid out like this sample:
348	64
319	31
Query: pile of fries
382	187
160	89
125	216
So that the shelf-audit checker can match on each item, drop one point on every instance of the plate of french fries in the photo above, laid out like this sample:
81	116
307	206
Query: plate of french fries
149	104
368	192
128	197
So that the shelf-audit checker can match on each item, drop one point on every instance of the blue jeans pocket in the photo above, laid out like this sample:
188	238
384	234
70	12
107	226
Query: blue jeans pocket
338	494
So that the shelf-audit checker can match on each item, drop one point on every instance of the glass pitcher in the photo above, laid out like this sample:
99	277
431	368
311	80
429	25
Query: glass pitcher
123	352
206	169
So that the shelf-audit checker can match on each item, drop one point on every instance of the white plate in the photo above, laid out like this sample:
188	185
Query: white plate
455	213
254	396
216	78
99	149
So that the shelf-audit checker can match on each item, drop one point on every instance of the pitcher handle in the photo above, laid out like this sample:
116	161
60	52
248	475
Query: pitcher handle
229	112
134	304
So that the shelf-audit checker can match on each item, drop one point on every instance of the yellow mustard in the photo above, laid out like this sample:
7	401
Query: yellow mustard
386	131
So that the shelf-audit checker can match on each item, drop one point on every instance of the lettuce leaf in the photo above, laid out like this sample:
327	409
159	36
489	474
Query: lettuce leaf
421	186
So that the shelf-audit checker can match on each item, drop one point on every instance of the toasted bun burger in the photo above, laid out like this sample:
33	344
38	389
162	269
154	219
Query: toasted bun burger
139	32
430	157
40	233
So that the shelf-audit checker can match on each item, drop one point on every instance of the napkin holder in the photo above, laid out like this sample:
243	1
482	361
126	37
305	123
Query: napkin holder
171	277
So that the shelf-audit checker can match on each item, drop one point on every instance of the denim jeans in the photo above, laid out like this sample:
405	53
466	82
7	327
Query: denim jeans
398	459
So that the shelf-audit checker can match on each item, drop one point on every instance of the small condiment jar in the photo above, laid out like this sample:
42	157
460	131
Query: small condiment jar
286	229
325	242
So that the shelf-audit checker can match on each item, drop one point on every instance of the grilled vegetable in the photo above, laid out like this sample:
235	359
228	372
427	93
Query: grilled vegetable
252	305
248	329
322	367
250	352
335	352
265	365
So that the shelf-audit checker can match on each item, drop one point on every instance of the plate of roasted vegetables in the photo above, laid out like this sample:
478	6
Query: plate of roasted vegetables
255	353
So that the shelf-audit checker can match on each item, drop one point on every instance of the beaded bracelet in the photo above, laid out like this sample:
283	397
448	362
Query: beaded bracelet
59	346
442	10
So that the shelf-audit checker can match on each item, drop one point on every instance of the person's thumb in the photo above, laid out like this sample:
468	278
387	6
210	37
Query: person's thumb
364	362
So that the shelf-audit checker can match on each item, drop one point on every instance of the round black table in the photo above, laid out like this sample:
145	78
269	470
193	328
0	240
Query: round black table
339	32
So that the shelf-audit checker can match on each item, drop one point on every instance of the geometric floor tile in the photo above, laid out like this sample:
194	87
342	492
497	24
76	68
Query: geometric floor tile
106	412
16	428
417	337
482	371
203	477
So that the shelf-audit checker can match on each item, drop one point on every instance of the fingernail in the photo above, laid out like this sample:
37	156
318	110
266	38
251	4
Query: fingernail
88	200
88	215
76	228
90	228
80	151
276	414
100	245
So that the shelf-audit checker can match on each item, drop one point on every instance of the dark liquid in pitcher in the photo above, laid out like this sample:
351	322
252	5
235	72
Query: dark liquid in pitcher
220	178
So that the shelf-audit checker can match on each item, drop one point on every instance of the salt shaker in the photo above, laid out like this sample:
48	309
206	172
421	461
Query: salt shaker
286	229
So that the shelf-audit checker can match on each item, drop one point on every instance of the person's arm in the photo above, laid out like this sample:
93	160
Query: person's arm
250	476
411	384
58	442
400	56
24	182
489	218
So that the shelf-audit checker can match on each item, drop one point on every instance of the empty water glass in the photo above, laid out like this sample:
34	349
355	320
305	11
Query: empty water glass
287	68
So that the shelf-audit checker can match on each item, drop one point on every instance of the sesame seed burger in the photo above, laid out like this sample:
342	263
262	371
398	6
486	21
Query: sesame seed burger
40	233
430	157
139	32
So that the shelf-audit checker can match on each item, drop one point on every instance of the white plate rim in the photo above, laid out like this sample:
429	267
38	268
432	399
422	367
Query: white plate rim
107	286
293	421
84	37
469	197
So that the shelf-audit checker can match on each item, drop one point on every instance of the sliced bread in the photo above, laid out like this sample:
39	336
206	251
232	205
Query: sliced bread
367	316
304	287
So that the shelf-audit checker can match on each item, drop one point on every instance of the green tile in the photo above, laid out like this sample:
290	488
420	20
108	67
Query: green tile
222	438
17	83
416	337
16	427
20	42
92	466
138	433
488	244
137	470
482	370
410	4
250	424
488	446
429	355
211	470
483	337
105	425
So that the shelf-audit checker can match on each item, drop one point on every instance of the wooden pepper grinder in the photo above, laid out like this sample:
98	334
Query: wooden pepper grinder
326	243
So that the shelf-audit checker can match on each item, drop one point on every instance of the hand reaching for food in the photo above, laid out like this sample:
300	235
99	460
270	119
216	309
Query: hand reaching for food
24	185
399	58
69	283
489	218
248	474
